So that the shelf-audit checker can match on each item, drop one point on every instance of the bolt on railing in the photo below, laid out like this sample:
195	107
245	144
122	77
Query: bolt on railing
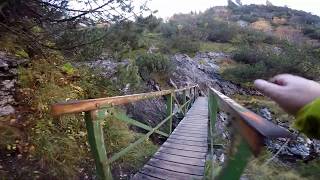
249	133
96	110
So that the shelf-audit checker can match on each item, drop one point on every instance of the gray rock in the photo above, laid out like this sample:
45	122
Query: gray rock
202	70
265	113
108	66
7	85
4	65
8	73
6	110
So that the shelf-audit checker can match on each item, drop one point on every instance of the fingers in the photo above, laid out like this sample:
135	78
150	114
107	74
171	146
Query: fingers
269	89
281	79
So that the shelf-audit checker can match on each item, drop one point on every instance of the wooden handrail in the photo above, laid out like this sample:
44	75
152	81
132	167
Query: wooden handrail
263	126
249	132
92	104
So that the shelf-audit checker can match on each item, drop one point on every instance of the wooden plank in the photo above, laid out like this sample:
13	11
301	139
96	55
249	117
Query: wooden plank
191	125
182	168
140	176
180	159
166	174
185	147
179	152
189	136
203	140
183	154
193	122
190	143
191	133
191	130
195	128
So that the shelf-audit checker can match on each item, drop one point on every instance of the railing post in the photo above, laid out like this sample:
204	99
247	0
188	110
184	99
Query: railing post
239	155
94	127
169	110
194	94
213	110
184	100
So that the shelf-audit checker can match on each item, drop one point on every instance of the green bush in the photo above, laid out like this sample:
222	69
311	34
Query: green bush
312	32
267	61
245	73
221	32
184	44
153	64
127	74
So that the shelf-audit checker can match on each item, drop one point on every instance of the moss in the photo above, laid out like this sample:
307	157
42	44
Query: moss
21	53
217	47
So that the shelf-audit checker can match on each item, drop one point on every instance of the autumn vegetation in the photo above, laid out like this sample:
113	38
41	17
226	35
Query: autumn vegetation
56	37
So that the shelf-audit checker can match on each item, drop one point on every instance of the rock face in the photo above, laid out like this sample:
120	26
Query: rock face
108	66
204	71
8	73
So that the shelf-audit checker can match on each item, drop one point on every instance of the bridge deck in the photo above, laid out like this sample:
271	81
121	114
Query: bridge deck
182	156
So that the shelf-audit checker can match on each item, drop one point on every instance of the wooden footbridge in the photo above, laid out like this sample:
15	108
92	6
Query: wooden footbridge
188	149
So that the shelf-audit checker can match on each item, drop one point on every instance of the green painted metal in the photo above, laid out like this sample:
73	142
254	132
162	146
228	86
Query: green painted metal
123	117
184	100
176	100
96	140
213	110
139	141
169	104
237	161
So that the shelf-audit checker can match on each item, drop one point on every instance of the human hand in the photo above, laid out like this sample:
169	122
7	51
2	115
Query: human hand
289	91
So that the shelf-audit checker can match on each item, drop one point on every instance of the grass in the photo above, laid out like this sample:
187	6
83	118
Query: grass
58	147
217	47
257	169
255	103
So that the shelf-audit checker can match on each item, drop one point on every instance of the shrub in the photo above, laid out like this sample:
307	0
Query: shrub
127	74
245	73
221	32
153	64
312	32
185	45
82	45
265	62
53	143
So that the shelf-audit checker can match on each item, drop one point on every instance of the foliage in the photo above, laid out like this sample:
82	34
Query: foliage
78	48
153	64
312	32
221	32
128	74
123	38
184	44
217	47
68	68
257	169
266	61
53	143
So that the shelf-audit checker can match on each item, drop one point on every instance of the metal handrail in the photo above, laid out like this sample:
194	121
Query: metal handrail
252	128
97	109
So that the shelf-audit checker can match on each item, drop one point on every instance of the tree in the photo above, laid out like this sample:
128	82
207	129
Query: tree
56	18
268	3
231	4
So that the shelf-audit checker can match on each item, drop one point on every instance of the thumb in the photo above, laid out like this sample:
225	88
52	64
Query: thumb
269	89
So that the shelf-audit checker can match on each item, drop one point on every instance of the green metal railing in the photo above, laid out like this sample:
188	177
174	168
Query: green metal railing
248	134
96	110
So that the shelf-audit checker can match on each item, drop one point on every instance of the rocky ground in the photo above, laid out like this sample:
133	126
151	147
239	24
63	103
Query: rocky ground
8	77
